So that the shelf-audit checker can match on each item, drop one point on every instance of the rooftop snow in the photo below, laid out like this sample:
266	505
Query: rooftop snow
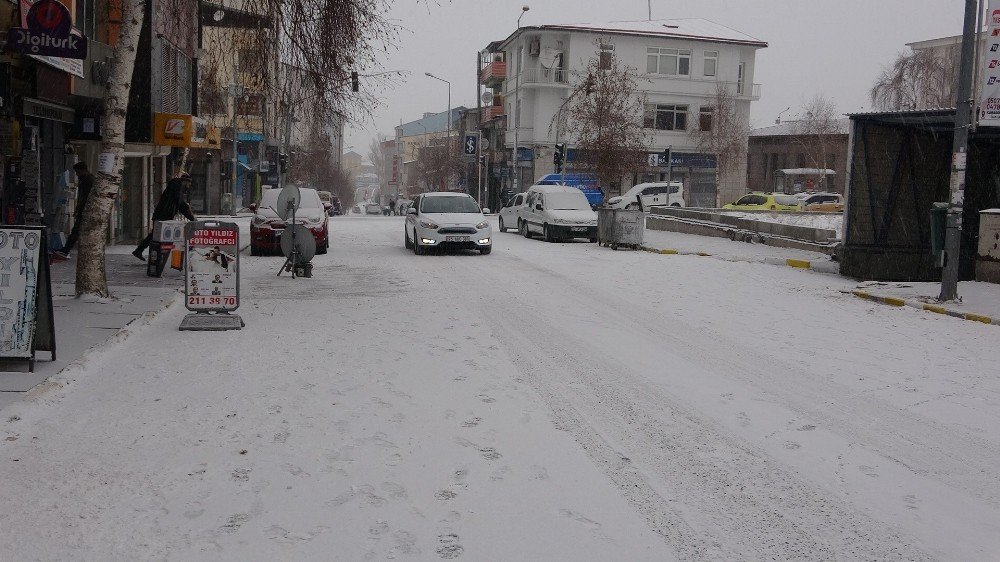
689	28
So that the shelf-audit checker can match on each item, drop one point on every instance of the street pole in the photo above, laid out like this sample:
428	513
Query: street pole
670	164
235	92
959	158
517	108
448	140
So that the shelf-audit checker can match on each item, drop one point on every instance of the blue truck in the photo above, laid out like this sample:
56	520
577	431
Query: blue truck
587	183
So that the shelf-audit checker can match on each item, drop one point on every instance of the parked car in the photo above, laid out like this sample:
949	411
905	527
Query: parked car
266	226
587	183
557	212
766	202
327	198
338	208
510	214
653	193
446	219
826	202
356	209
373	209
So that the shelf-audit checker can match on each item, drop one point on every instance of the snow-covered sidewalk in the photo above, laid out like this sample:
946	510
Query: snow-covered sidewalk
977	301
724	248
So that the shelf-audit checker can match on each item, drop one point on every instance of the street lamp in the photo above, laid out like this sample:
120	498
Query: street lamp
448	144
517	106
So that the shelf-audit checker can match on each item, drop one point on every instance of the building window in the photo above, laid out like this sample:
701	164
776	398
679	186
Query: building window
671	62
664	117
705	118
740	78
711	63
605	54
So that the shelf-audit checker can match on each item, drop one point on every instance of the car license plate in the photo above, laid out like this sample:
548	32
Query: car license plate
579	229
456	238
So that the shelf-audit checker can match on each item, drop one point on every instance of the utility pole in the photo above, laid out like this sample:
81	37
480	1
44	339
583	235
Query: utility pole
959	157
517	105
235	92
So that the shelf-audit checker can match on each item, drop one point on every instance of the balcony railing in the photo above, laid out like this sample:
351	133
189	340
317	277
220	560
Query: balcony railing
491	112
494	72
544	76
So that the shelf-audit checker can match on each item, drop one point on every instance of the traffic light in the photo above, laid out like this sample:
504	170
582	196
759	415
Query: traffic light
283	162
355	86
559	156
482	160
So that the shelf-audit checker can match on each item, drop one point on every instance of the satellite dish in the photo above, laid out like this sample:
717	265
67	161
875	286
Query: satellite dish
289	194
487	98
484	144
303	239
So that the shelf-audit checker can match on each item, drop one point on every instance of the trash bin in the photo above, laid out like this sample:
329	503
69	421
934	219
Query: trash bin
620	228
939	228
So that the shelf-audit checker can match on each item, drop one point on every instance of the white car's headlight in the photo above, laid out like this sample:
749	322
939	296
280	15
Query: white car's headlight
428	224
614	200
482	225
315	220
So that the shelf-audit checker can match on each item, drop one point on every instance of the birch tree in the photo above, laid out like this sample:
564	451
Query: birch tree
917	80
817	132
91	276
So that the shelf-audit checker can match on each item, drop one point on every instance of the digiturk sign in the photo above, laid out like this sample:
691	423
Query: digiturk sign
48	33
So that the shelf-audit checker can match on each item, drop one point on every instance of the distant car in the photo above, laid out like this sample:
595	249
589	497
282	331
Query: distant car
824	202
510	214
327	198
356	209
266	226
654	193
446	219
557	212
373	209
766	202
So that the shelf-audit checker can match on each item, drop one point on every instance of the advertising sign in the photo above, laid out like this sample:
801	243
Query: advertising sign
72	66
184	131
989	88
47	31
471	145
26	322
212	276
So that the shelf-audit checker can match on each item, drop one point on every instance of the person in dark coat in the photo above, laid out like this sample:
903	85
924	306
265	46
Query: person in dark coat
84	185
172	201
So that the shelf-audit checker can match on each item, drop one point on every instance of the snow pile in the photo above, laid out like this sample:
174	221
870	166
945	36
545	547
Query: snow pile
833	222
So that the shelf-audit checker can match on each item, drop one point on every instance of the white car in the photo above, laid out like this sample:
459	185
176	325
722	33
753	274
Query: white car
654	193
452	220
557	212
510	214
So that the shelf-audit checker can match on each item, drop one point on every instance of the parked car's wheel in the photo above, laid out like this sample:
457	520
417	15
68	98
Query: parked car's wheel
632	207
502	229
676	205
486	250
406	240
417	248
524	229
546	234
324	248
254	251
593	239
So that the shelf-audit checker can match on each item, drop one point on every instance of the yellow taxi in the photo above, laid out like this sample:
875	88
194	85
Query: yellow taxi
765	202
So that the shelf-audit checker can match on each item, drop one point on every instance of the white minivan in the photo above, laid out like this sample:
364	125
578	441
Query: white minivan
557	212
654	193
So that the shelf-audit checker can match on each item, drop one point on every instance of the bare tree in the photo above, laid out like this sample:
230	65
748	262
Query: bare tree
377	158
817	133
918	80
607	123
435	166
723	131
330	43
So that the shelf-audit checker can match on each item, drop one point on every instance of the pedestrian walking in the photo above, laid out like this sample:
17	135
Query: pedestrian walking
172	201
84	185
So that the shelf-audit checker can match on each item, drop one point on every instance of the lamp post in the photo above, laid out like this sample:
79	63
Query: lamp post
517	106
235	92
448	143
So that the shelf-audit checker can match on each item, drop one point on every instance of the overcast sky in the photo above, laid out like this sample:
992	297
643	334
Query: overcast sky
833	47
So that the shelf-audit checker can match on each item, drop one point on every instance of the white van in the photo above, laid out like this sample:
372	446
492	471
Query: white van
557	212
653	193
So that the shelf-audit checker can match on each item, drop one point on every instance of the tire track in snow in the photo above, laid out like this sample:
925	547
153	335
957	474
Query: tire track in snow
708	495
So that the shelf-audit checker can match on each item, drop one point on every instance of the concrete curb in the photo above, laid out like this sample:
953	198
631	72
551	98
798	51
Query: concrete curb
817	266
896	301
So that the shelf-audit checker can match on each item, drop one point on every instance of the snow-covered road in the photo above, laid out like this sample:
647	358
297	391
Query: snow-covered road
546	402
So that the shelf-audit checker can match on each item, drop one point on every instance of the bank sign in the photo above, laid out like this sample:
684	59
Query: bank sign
47	32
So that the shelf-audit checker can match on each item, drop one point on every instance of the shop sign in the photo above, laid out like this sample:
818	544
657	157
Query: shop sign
47	31
185	131
26	321
50	111
212	274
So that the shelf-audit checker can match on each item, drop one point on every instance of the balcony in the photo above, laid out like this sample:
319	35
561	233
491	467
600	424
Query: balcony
742	92
493	74
491	112
545	76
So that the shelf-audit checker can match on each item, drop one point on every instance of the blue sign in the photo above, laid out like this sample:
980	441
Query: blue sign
48	33
686	160
525	154
471	145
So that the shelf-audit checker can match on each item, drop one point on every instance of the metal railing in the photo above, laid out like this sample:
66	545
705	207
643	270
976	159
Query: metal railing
544	76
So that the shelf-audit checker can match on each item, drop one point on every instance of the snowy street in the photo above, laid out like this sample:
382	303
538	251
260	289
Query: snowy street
545	402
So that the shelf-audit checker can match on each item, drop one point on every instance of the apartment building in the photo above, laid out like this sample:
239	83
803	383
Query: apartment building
527	77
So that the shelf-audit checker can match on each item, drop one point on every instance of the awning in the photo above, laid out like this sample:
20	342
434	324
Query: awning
249	137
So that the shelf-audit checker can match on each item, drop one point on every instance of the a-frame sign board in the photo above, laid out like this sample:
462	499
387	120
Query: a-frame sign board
27	324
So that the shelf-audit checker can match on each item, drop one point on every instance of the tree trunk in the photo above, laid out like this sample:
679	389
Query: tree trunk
91	271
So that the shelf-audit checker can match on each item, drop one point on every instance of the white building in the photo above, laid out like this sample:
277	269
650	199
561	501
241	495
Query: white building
684	61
